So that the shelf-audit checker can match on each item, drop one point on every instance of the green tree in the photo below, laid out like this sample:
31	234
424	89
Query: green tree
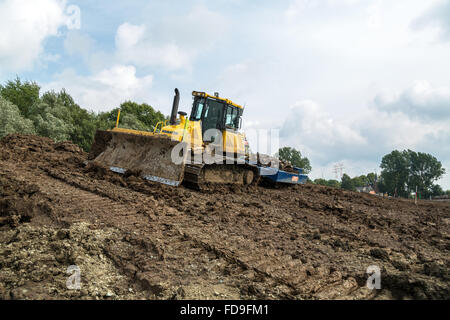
107	120
403	172
424	170
371	180
347	183
328	183
334	183
22	94
321	182
11	120
132	116
49	123
142	112
131	121
360	181
395	173
436	190
82	123
295	158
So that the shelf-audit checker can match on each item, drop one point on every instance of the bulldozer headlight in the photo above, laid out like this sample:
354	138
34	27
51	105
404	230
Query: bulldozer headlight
198	94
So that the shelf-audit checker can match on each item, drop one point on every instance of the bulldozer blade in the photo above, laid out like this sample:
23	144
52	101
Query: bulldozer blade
147	155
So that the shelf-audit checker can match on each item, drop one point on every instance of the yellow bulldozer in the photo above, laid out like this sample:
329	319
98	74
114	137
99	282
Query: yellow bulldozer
206	147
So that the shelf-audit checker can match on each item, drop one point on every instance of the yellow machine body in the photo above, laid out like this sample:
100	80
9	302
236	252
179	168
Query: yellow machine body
150	152
190	131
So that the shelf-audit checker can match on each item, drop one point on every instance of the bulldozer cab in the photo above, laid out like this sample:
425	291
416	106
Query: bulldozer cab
220	114
209	112
216	114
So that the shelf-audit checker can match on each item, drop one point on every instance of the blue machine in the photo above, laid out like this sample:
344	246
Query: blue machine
268	173
280	176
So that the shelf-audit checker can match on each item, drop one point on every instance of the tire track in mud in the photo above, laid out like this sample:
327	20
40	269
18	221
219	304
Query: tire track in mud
336	220
88	196
288	279
281	272
213	245
181	221
157	248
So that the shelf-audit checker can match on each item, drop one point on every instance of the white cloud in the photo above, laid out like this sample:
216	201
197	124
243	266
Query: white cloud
374	15
309	127
24	25
132	47
421	101
77	42
437	18
173	43
129	35
298	7
104	90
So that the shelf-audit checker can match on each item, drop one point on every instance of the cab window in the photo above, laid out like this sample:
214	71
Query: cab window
199	106
213	115
231	118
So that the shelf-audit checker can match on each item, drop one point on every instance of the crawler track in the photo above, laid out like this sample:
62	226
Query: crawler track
203	175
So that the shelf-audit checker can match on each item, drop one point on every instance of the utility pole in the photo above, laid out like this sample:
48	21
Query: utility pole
415	198
338	169
375	183
335	170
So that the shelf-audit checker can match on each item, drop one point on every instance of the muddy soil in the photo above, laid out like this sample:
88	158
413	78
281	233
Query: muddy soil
134	239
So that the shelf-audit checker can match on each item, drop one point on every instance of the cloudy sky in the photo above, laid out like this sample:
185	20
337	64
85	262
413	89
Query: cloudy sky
344	81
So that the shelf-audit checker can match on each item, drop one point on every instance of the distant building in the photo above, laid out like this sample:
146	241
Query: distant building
366	189
442	198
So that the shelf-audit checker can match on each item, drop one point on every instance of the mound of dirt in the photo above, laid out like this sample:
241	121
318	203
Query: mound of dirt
37	258
131	238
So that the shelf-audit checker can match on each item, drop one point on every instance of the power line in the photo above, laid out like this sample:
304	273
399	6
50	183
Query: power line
338	170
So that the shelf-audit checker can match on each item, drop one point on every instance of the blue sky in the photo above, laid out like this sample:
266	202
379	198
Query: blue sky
344	81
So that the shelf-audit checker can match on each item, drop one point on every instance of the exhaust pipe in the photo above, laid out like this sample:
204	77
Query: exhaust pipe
176	101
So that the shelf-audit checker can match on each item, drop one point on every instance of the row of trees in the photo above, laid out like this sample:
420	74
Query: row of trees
348	183
403	172
296	159
57	116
